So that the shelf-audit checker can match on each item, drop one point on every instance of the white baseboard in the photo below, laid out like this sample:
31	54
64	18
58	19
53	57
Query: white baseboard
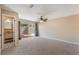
76	43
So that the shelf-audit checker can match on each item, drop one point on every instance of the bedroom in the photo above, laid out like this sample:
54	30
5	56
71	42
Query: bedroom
55	30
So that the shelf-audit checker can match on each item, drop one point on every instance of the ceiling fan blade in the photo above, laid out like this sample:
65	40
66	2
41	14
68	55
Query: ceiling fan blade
45	20
42	19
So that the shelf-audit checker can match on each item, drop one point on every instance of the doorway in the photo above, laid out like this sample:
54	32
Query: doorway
26	29
8	31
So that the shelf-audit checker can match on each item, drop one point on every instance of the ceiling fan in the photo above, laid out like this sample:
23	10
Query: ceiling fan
43	19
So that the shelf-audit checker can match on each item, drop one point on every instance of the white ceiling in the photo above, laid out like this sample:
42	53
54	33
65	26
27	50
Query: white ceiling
50	11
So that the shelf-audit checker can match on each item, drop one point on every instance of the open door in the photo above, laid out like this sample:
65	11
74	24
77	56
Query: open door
8	32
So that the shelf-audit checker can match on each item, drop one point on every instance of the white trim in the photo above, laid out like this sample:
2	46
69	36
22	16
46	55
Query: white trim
3	45
76	43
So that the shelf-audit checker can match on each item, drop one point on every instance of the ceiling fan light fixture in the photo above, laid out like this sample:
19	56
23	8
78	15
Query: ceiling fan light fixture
43	19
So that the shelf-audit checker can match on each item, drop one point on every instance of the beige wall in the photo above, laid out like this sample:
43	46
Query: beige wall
65	28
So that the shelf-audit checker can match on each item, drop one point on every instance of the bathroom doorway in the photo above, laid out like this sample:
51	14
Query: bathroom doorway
8	31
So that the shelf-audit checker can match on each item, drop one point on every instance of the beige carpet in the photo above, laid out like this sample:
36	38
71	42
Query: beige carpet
42	46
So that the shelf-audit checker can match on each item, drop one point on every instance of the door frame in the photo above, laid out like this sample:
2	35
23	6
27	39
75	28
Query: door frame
0	32
19	33
3	15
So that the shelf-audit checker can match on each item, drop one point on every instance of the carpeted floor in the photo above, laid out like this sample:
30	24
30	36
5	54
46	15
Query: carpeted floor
42	46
